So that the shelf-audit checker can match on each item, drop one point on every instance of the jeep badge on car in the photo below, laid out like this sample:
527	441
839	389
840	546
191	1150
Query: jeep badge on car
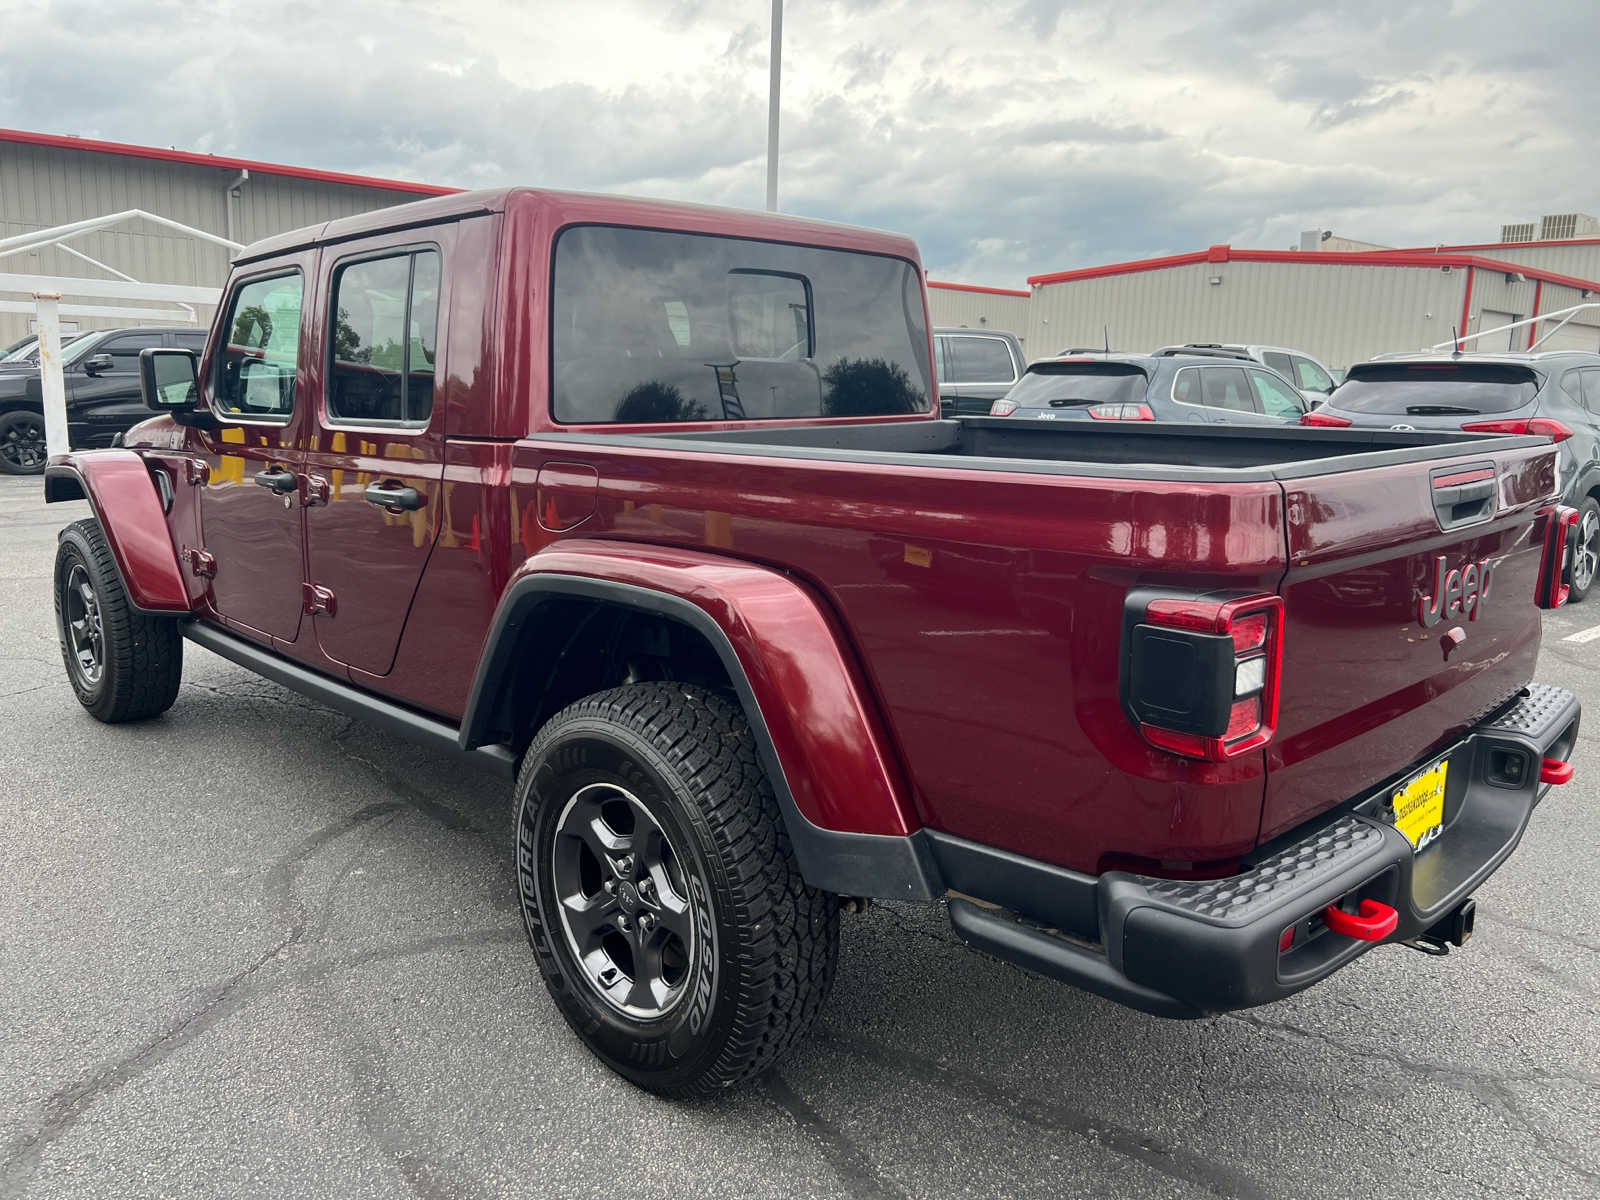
1456	591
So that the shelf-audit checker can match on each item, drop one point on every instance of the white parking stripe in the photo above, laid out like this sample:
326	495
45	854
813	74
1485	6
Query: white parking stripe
1584	635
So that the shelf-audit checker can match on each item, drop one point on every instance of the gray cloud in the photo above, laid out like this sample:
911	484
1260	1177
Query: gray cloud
1009	139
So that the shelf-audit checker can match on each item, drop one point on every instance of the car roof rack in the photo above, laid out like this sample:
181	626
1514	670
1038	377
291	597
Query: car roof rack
1204	350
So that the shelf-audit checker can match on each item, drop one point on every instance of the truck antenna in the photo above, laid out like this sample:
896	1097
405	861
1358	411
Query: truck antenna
1455	337
1106	329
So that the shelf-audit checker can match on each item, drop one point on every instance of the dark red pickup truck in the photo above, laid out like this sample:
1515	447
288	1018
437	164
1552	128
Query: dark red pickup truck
647	506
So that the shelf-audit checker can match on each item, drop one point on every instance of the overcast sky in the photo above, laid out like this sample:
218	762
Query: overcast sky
1009	137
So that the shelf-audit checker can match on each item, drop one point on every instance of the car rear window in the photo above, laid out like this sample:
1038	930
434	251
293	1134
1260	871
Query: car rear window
1062	384
653	326
1435	389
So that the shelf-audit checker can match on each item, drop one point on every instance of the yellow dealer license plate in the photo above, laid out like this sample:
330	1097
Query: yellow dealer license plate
1419	806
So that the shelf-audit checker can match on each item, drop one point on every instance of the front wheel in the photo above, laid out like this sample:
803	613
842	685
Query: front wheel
659	891
124	665
1586	554
22	444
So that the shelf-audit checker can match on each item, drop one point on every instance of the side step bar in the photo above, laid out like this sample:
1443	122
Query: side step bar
1000	934
352	701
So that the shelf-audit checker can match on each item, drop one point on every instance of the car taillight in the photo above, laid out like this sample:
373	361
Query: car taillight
1002	408
1321	418
1555	567
1556	431
1200	674
1121	412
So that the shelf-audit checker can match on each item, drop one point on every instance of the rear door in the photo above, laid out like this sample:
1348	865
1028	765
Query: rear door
1375	676
376	457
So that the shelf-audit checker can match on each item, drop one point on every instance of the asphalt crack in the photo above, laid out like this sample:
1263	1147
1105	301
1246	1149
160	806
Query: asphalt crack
849	1162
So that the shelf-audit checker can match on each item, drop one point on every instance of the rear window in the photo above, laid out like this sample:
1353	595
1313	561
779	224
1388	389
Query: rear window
979	360
1063	384
1435	389
651	326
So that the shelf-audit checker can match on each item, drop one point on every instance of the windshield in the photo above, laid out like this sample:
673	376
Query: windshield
1436	389
1079	383
20	354
81	346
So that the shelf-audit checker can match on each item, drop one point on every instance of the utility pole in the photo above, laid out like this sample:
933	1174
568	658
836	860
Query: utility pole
772	106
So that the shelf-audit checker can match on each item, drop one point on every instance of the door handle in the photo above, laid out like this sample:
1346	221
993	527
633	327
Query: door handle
393	495
277	479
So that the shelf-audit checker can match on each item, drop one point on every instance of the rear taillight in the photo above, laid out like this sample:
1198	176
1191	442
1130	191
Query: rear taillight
1002	408
1555	568
1321	418
1200	673
1121	412
1556	431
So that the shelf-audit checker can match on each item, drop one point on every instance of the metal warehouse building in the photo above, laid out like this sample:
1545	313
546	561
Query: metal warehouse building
974	307
1342	307
47	180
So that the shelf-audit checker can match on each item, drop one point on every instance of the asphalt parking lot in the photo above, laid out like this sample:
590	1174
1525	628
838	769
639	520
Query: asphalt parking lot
256	948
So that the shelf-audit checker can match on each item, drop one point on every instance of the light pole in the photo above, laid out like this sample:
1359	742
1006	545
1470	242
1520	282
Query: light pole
772	106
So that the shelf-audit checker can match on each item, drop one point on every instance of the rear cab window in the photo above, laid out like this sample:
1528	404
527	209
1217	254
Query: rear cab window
260	352
1068	384
1436	389
977	359
657	326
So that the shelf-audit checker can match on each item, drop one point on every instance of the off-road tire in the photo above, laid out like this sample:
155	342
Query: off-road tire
688	755
1588	532
21	442
141	662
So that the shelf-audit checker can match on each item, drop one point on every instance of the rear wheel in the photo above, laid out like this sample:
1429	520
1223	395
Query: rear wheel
1586	555
22	445
660	893
123	664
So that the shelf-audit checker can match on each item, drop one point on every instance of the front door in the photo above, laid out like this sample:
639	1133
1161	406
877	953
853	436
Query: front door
375	465
103	387
250	513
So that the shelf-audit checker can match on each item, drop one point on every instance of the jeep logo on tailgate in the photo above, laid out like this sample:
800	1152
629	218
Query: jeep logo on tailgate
1457	591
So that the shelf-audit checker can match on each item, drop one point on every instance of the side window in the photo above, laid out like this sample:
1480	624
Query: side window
190	340
385	325
1225	387
1279	362
1591	388
1277	398
940	350
124	350
1186	387
981	360
1308	375
261	350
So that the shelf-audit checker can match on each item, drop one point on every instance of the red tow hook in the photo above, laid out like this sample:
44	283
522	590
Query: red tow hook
1376	922
1553	770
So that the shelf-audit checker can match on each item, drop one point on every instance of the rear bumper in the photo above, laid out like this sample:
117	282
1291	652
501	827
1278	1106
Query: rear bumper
1185	949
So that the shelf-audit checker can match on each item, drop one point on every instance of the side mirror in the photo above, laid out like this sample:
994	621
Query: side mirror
169	380
96	363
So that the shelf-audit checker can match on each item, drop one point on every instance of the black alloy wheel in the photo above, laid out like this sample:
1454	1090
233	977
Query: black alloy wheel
22	444
83	631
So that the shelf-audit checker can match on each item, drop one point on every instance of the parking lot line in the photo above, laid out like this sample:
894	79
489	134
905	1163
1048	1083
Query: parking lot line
1584	635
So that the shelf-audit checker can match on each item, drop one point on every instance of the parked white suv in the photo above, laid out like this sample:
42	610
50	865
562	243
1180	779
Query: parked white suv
1306	372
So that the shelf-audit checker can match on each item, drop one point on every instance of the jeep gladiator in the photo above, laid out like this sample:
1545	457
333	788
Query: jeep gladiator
648	508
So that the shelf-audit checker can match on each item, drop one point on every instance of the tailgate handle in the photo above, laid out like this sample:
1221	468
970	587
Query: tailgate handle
1463	495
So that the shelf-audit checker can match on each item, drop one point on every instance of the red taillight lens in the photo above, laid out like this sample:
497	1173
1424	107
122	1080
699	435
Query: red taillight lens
1556	431
1002	408
1121	412
1194	693
1555	566
1321	418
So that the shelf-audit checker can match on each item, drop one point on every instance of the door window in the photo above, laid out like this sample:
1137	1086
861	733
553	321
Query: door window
1279	362
980	360
1308	375
190	340
1277	398
256	369
124	350
386	316
1225	387
1591	388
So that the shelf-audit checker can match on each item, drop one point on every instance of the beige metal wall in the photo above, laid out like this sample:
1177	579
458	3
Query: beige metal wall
1341	314
978	310
42	187
1581	260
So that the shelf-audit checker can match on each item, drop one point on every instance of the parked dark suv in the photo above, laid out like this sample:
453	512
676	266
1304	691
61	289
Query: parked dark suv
1152	387
1555	393
101	374
975	367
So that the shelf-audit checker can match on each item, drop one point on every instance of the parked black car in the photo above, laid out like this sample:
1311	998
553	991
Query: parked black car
1550	392
976	367
101	373
1152	387
24	355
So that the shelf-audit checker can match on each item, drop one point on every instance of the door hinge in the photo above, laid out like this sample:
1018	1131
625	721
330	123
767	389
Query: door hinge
197	472
199	562
317	600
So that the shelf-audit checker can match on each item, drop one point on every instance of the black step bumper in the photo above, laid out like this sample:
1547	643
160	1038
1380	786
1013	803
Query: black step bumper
1185	949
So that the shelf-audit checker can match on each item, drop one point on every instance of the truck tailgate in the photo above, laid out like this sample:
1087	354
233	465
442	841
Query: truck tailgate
1369	687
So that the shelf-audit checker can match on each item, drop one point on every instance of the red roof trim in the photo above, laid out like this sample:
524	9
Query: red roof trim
93	146
1361	258
973	287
